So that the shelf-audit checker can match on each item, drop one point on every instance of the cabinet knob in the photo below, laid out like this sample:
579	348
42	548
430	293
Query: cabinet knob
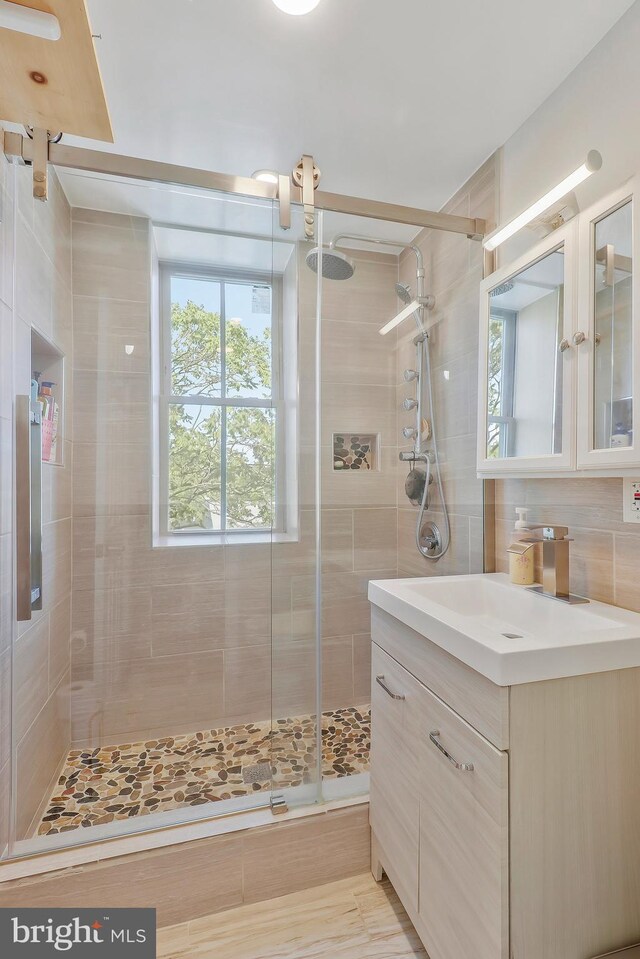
564	345
579	337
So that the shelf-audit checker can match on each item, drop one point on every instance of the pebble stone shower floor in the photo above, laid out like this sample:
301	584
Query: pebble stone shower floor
118	782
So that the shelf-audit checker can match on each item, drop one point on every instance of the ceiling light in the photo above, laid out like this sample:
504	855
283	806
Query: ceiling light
265	176
37	23
296	7
592	164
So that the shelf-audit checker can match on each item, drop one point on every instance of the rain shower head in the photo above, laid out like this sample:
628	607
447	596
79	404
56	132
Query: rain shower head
335	265
503	288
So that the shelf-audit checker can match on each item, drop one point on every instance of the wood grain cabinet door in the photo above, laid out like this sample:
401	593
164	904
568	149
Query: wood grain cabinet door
395	789
463	888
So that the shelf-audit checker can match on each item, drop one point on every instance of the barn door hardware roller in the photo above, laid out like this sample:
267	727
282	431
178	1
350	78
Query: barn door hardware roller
35	154
306	175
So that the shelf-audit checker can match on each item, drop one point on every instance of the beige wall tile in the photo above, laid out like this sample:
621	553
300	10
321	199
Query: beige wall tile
354	488
592	509
5	707
375	538
170	693
247	684
362	668
112	551
112	409
337	540
294	676
110	261
360	408
337	672
103	327
280	861
31	674
369	296
112	481
102	613
56	562
59	642
39	756
208	874
627	552
6	591
187	619
355	353
180	565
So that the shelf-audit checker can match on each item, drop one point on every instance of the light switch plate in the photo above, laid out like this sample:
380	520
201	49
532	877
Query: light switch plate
630	500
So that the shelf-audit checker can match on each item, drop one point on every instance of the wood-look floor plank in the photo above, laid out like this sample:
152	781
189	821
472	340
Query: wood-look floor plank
350	919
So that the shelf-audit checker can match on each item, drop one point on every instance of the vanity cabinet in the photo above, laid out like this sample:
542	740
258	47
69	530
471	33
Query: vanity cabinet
559	364
521	839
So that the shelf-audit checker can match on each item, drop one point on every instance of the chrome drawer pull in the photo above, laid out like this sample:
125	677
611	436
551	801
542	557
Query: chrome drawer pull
380	681
465	767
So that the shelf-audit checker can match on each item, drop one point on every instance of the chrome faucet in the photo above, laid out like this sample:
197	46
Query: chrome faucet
555	561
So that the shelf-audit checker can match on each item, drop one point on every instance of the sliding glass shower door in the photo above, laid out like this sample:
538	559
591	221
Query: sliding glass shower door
172	672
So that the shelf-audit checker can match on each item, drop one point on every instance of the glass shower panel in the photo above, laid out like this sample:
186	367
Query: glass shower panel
295	567
373	407
186	532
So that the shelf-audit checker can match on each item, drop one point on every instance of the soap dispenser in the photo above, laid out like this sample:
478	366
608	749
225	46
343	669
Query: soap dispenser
521	564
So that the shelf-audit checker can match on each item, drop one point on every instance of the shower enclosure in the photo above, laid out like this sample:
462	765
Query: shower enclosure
216	463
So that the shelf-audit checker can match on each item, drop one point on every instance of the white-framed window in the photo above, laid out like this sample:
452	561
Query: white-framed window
220	417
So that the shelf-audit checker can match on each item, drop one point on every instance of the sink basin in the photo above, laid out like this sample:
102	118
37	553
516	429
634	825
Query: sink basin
509	633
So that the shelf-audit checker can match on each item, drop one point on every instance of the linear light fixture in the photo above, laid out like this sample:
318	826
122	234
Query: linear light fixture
37	23
402	315
591	165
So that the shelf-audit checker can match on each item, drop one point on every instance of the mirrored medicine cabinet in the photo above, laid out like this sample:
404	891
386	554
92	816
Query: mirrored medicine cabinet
559	374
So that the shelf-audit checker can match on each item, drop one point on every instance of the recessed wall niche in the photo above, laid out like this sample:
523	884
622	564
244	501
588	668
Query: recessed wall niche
355	451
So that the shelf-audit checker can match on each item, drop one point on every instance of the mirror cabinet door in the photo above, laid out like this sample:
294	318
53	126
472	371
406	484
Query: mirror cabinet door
612	279
524	397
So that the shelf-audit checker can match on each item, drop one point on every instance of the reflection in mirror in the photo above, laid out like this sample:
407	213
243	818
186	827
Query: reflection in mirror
613	400
524	397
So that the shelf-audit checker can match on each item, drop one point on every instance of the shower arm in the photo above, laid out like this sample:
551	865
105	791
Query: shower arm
376	241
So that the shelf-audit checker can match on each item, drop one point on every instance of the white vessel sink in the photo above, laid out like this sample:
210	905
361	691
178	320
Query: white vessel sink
509	633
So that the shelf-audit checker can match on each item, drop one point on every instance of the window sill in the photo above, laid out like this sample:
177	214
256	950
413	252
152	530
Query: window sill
249	538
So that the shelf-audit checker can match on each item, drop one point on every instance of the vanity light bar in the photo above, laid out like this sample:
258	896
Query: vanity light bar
397	320
36	23
592	164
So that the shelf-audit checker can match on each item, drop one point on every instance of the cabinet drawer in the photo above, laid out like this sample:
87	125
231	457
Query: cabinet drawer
395	772
474	697
463	892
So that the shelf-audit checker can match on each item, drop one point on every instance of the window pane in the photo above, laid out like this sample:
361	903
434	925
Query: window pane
250	467
195	500
195	337
248	339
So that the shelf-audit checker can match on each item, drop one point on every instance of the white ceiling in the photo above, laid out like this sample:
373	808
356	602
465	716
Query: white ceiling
398	101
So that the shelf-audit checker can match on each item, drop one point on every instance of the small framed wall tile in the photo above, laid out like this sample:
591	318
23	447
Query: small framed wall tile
355	451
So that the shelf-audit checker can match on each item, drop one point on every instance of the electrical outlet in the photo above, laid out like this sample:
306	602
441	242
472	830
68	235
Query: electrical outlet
630	500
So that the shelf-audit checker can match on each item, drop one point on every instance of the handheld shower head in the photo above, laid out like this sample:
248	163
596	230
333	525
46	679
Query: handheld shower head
335	265
403	292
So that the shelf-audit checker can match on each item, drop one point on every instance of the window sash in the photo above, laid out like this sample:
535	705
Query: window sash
167	397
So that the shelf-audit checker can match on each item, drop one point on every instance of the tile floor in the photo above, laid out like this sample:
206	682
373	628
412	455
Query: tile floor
118	782
350	919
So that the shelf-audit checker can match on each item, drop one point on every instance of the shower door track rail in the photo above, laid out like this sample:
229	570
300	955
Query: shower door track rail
21	148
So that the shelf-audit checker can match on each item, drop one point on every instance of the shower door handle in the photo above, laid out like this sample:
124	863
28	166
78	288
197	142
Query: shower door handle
28	509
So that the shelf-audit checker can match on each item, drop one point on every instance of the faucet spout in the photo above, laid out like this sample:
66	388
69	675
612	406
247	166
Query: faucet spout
555	561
